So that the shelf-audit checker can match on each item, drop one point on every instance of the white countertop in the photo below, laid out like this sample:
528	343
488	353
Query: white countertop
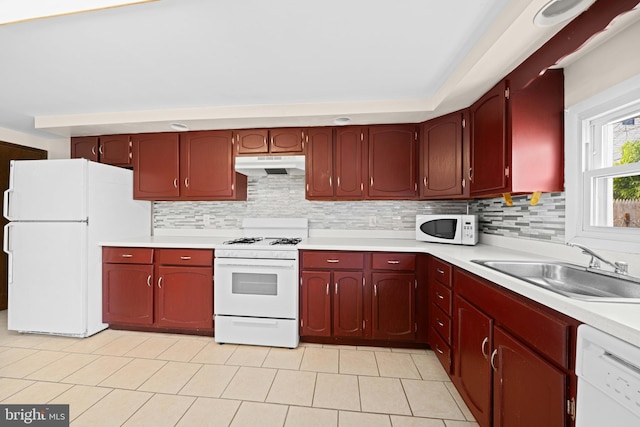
618	319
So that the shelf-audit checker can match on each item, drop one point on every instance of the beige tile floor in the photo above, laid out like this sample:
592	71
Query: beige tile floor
144	379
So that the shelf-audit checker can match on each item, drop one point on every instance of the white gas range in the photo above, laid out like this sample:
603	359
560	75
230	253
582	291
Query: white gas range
256	283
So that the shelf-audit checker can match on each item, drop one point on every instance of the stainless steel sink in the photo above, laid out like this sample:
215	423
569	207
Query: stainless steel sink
571	280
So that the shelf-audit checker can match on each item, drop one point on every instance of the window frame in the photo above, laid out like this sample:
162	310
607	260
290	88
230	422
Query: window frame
579	137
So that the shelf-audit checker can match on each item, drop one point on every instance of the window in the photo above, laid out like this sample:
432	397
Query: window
603	169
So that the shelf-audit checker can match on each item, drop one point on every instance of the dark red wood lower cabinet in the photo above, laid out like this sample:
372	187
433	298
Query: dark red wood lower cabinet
316	303
127	294
472	365
527	390
394	306
348	313
184	297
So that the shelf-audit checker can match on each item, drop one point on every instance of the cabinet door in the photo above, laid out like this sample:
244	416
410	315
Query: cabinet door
489	142
116	150
349	158
441	157
252	141
184	297
528	391
316	303
394	306
392	162
286	140
347	303
156	170
319	163
84	147
206	165
472	351
127	294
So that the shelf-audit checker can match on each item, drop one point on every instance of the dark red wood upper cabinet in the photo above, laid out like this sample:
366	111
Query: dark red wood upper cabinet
286	140
349	160
527	390
252	141
319	163
473	344
206	166
517	138
127	293
184	297
156	171
392	162
394	306
348	314
440	156
84	147
316	303
116	150
489	167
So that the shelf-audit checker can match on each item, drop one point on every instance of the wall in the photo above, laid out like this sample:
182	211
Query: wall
283	196
57	147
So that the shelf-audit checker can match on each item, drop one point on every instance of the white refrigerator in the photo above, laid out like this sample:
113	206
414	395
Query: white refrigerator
59	211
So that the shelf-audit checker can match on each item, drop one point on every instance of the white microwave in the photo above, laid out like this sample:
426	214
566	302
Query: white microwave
454	229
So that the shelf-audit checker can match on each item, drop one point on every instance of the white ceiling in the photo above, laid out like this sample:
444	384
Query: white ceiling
250	63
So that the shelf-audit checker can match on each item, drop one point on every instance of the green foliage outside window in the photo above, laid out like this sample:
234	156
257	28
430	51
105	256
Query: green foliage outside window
628	187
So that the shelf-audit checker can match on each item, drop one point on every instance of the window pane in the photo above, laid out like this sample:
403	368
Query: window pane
617	201
622	141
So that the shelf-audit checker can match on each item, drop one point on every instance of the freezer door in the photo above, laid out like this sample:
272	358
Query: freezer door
46	190
47	277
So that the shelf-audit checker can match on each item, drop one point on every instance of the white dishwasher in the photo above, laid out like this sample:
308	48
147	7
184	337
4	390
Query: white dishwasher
608	371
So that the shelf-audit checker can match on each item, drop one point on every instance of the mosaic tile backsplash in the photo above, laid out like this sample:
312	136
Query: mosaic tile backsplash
283	196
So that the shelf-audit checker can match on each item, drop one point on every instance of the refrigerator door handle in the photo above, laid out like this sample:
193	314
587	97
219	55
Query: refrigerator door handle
5	247
5	204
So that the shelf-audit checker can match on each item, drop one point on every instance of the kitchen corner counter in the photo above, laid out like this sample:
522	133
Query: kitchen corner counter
177	242
618	319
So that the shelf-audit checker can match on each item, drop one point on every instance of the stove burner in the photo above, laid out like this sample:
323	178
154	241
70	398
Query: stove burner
286	241
243	240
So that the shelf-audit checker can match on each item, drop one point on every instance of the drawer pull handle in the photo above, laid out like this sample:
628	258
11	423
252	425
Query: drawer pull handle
439	296
333	261
393	261
336	288
439	322
439	271
375	290
185	257
327	289
438	349
484	343
493	357
149	281
160	282
127	256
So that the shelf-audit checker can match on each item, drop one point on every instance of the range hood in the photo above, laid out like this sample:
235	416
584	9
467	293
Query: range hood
270	165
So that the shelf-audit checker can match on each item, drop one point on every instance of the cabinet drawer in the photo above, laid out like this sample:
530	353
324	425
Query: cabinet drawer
393	261
440	271
127	255
442	350
440	322
332	260
184	257
440	295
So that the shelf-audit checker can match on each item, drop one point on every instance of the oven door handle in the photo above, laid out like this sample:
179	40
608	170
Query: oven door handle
243	262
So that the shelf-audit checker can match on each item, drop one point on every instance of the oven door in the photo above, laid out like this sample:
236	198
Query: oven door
256	287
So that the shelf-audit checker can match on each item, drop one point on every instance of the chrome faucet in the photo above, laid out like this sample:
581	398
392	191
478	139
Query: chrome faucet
618	266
